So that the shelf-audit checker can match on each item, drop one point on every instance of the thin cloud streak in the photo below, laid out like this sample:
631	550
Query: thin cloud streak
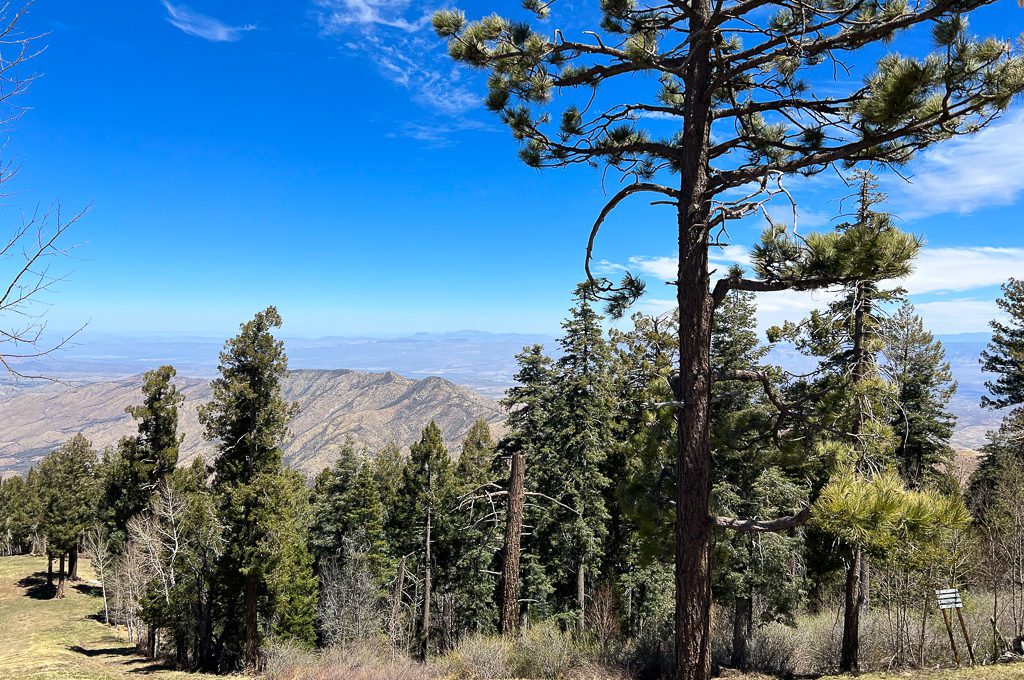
202	26
382	32
966	174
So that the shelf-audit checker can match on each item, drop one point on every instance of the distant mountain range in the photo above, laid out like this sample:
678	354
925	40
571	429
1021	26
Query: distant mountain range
453	378
371	409
483	361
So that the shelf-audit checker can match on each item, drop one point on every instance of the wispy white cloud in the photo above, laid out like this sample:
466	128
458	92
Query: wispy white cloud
959	272
962	269
436	134
666	268
203	26
966	174
958	316
338	15
393	35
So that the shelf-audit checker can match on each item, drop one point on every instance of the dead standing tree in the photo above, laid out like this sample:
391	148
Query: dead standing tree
26	275
513	520
744	68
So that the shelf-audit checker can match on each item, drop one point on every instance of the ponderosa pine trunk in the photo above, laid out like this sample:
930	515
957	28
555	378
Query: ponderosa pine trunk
693	473
61	577
73	564
251	653
856	598
513	546
742	626
848	658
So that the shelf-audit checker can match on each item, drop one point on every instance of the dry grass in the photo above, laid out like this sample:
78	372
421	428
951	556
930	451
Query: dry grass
47	639
1014	671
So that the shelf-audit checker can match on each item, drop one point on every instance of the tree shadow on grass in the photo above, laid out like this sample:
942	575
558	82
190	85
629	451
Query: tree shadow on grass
152	667
104	651
143	666
86	589
36	587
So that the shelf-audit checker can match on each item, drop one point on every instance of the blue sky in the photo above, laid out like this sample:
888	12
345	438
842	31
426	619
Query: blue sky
326	157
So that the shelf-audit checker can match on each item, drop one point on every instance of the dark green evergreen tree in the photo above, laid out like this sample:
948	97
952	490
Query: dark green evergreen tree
524	579
248	418
426	502
18	505
348	513
750	479
1004	356
68	494
476	536
641	467
571	469
916	367
141	463
1005	353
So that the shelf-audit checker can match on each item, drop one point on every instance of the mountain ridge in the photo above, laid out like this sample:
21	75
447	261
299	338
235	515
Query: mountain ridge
370	408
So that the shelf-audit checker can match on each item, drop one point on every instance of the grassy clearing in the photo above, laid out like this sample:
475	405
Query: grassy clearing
1014	671
42	638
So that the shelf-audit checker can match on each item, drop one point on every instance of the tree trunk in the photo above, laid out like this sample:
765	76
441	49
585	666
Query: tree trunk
581	595
865	584
513	546
49	570
252	633
396	601
73	564
742	626
425	634
61	577
693	473
848	658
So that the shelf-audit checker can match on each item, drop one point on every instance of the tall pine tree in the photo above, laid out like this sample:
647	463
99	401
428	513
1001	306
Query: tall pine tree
916	367
745	69
142	462
261	506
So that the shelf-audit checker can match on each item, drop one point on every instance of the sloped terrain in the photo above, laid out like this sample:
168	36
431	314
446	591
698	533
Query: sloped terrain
370	408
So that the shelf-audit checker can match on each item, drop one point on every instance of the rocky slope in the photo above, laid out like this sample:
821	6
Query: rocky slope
370	408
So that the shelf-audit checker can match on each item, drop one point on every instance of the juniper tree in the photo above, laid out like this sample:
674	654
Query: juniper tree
248	419
750	74
916	367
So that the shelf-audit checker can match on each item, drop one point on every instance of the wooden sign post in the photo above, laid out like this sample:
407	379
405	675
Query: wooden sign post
950	599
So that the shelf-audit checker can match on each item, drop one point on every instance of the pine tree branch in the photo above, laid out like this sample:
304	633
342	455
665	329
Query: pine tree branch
639	187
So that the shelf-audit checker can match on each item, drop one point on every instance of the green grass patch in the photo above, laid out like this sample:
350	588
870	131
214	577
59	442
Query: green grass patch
44	638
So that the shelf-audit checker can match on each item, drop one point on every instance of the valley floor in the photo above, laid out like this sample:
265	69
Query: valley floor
43	638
